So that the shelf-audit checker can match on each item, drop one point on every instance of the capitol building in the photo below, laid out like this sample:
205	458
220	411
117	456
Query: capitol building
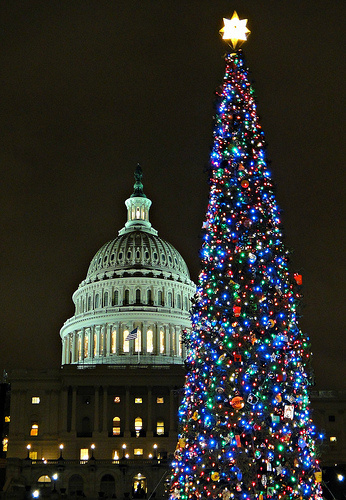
104	425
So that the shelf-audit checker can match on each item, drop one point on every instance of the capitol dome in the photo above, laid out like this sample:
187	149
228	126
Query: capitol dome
135	282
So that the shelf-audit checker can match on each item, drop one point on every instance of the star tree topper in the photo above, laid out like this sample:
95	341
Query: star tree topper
234	30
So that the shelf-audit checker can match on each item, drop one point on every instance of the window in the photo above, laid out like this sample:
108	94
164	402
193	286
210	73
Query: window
105	299
162	342
4	444
159	298
169	299
160	400
333	439
160	427
84	454
178	301
138	296
44	479
7	418
116	297
97	301
138	401
126	298
116	426
114	341
95	344
138	425
89	303
149	300
150	341
138	341
138	452
115	455
33	455
35	400
34	429
126	343
331	418
116	399
86	346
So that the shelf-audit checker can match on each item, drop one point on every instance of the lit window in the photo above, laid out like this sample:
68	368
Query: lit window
116	426
138	425
332	439
114	338
116	399
4	444
115	455
138	341
160	400
7	418
150	341
162	342
34	429
138	451
33	455
126	343
35	400
138	401
95	344
44	479
86	346
160	428
84	454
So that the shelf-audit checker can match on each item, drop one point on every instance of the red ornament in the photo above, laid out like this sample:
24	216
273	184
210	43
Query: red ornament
236	311
237	358
298	278
244	183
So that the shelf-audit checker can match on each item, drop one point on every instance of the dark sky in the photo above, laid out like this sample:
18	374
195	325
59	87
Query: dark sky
90	88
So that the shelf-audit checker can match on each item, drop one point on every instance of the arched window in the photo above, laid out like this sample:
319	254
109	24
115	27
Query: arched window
89	303
178	301
107	486
159	298
149	299
97	301
126	343
169	299
138	296
116	297
34	429
44	481
114	341
138	425
105	299
75	485
116	426
186	304
162	342
95	344
126	297
150	341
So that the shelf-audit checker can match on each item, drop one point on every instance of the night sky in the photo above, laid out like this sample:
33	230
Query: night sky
90	88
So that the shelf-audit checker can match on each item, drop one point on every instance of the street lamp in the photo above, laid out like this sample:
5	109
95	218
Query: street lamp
92	450
61	447
155	450
124	448
54	478
28	447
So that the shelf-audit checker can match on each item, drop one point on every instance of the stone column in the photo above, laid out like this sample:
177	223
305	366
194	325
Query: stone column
82	343
117	327
63	351
108	340
74	335
144	337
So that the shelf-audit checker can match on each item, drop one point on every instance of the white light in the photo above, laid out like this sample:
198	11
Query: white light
36	494
55	476
340	477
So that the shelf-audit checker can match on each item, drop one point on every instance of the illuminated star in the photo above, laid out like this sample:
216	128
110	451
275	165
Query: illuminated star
234	30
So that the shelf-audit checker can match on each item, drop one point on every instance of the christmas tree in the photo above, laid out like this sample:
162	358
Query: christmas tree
245	425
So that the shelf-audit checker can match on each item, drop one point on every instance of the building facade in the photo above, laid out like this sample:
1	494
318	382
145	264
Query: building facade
105	423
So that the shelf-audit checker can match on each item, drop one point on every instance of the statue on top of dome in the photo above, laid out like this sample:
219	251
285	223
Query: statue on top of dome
138	186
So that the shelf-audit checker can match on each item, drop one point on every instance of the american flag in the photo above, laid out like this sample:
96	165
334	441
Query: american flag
132	335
